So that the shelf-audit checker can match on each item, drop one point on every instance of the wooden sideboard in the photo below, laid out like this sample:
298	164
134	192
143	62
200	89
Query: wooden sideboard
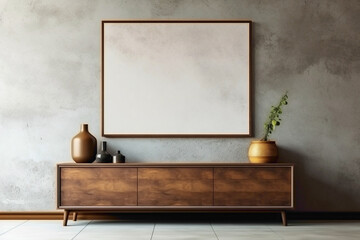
171	187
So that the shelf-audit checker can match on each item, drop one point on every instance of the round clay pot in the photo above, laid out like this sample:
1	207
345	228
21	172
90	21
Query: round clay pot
83	146
263	152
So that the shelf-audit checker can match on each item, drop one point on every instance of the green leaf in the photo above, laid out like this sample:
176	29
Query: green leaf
274	119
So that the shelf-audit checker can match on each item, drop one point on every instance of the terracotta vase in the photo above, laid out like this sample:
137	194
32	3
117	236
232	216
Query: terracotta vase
83	146
263	152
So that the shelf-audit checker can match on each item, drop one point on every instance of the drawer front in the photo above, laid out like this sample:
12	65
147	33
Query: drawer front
253	186
98	186
175	186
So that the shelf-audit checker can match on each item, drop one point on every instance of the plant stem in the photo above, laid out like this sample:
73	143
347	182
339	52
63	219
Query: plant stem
273	119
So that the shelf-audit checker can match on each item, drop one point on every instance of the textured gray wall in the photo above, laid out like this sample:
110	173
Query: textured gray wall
49	85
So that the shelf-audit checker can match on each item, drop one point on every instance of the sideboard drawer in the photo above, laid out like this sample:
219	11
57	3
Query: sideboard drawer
175	186
98	186
253	186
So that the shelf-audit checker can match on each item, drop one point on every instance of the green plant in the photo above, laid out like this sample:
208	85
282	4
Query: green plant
274	117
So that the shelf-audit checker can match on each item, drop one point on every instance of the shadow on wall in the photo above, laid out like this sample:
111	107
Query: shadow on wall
312	194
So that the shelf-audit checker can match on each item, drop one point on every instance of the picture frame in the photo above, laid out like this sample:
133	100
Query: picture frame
176	78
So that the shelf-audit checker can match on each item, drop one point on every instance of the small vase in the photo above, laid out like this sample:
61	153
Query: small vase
83	146
118	158
103	156
263	152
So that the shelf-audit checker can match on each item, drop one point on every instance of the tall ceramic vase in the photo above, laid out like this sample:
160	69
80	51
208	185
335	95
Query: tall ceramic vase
83	146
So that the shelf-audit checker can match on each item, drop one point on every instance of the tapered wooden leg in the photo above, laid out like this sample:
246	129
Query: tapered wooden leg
283	216
66	217
75	216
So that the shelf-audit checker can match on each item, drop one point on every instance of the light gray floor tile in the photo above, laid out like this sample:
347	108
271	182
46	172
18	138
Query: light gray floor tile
237	226
109	230
247	234
189	231
180	226
44	230
318	224
229	231
6	225
315	235
299	230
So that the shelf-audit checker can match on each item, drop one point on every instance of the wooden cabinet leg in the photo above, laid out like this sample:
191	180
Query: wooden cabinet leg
283	217
66	217
75	216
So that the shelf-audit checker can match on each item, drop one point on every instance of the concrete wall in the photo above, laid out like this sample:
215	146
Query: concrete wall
50	84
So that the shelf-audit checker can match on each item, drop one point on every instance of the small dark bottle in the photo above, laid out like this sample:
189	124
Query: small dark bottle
118	158
103	156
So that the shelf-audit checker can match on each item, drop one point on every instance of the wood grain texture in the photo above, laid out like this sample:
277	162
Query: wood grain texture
66	217
248	186
98	186
283	218
175	186
175	165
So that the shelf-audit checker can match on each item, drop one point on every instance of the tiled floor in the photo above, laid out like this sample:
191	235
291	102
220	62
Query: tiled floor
106	230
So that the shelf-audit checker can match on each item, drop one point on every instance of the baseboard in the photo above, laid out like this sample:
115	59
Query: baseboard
253	216
31	215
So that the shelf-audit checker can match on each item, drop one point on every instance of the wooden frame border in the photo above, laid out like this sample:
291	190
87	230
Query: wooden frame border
171	135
